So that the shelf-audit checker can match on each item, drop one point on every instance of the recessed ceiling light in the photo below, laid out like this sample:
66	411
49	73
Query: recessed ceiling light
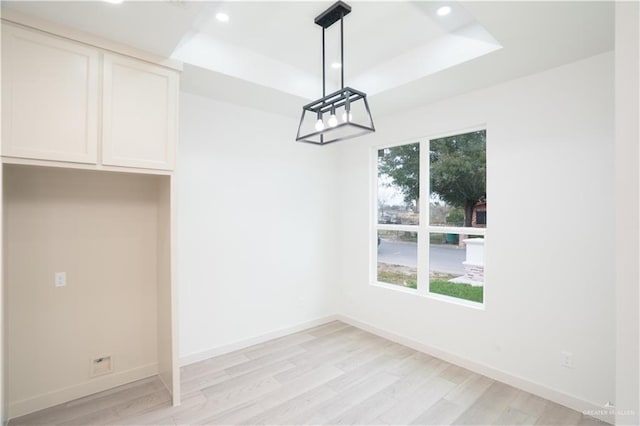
222	17
444	11
336	65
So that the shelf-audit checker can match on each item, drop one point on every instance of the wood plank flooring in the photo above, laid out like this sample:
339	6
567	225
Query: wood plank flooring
332	374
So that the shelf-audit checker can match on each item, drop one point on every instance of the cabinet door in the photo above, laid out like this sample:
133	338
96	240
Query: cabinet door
49	97
139	114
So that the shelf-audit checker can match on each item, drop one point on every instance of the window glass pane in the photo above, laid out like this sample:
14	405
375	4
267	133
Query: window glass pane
481	217
398	184
456	266
398	258
458	188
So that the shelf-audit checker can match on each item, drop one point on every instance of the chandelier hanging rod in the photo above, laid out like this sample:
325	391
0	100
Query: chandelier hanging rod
329	17
341	51
324	79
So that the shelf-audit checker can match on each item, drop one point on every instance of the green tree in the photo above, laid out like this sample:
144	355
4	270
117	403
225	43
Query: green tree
402	165
457	166
458	170
456	217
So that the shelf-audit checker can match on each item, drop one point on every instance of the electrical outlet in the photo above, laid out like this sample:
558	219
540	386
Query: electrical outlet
60	279
567	359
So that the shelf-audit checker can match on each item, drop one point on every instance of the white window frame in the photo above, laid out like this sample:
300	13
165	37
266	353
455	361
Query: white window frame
423	229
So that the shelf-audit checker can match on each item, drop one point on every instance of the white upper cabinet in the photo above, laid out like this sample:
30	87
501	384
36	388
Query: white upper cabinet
49	97
67	102
139	107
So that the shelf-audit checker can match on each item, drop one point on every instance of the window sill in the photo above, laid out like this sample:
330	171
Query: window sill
395	287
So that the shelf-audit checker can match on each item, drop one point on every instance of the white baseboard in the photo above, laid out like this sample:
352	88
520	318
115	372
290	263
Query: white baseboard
245	343
542	391
98	384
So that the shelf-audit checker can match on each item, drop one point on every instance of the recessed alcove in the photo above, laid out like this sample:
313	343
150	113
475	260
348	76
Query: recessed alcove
109	233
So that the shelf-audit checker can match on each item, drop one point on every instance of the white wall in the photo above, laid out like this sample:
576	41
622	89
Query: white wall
255	226
627	57
549	251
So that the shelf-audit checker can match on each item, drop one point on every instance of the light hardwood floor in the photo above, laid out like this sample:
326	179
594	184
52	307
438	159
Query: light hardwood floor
331	374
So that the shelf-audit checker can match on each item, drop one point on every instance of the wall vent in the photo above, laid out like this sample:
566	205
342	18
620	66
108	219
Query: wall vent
100	366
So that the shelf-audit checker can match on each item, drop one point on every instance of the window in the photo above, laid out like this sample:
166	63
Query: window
481	217
431	215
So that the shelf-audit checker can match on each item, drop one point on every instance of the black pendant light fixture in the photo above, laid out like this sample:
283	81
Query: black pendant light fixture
340	115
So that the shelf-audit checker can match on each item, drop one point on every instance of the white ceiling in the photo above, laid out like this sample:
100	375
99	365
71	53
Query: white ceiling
155	27
285	31
387	44
401	53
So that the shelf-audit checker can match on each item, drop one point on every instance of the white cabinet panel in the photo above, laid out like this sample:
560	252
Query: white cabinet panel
139	114
49	97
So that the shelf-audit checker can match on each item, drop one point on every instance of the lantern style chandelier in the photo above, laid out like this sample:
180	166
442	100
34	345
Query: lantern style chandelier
340	115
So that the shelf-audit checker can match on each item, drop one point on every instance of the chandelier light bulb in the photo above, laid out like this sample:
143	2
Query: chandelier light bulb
344	116
333	121
319	125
